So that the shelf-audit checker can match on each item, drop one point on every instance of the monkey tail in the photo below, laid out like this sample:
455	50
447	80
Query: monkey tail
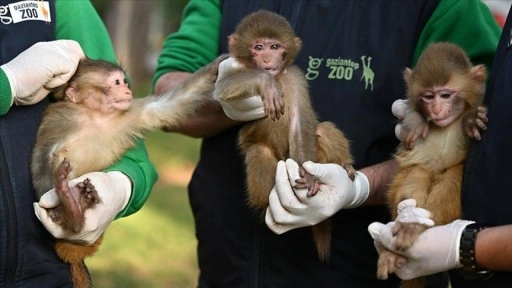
413	283
74	254
322	239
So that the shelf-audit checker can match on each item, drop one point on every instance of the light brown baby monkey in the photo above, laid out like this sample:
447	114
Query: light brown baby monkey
444	92
263	48
94	121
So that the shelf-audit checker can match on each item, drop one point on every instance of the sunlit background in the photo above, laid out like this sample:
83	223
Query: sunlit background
156	246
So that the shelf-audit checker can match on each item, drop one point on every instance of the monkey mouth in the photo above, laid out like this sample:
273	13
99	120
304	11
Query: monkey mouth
442	122
272	71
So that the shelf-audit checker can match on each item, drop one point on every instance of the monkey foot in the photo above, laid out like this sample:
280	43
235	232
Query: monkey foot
88	194
406	234
388	263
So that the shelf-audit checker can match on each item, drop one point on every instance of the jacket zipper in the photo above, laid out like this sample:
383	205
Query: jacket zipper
10	217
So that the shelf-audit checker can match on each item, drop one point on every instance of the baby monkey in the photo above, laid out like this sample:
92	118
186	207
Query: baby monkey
94	121
444	92
262	49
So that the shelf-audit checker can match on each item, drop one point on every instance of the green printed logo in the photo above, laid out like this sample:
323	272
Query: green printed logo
342	69
368	73
313	65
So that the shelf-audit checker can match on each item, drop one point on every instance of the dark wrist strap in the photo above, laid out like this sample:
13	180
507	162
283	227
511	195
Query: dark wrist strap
469	269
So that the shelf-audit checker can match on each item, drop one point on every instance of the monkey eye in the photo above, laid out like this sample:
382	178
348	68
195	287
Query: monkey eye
275	46
428	96
117	82
258	47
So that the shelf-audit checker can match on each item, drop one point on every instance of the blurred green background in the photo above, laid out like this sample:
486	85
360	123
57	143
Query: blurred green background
155	247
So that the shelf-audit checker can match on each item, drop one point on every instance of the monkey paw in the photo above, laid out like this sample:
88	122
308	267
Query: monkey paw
406	234
388	263
88	194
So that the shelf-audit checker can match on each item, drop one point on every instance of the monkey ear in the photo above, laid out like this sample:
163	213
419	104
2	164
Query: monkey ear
232	41
478	73
298	43
407	74
72	93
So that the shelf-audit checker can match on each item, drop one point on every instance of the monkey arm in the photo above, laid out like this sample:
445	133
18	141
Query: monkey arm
209	119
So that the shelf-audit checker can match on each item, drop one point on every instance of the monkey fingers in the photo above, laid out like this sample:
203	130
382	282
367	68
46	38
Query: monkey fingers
475	122
273	99
406	234
307	181
89	194
388	263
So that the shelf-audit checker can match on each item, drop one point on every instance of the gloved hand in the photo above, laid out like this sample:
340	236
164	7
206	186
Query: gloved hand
414	126
43	66
435	250
291	208
114	189
398	109
245	109
409	213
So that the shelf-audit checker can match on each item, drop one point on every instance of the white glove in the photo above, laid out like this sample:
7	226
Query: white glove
399	109
43	66
435	250
245	109
291	208
114	189
409	213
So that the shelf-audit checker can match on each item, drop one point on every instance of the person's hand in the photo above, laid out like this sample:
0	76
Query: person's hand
43	66
291	208
245	109
411	126
114	189
407	212
435	250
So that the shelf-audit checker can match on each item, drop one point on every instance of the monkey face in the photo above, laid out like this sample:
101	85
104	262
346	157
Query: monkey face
119	95
442	105
268	55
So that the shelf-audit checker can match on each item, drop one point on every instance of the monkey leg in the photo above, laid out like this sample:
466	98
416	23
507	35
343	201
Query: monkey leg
74	200
444	199
410	182
260	165
333	147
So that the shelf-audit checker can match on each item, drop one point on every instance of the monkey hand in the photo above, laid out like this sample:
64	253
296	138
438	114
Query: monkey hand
435	250
411	126
114	190
474	121
291	208
43	66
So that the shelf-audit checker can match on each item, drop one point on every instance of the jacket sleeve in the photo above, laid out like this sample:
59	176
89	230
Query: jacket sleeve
88	29
196	43
468	23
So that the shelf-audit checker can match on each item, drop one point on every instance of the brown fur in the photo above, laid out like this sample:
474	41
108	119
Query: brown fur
431	173
296	133
68	135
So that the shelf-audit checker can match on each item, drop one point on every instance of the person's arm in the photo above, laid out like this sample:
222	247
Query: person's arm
88	29
493	250
469	23
195	44
440	248
379	176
